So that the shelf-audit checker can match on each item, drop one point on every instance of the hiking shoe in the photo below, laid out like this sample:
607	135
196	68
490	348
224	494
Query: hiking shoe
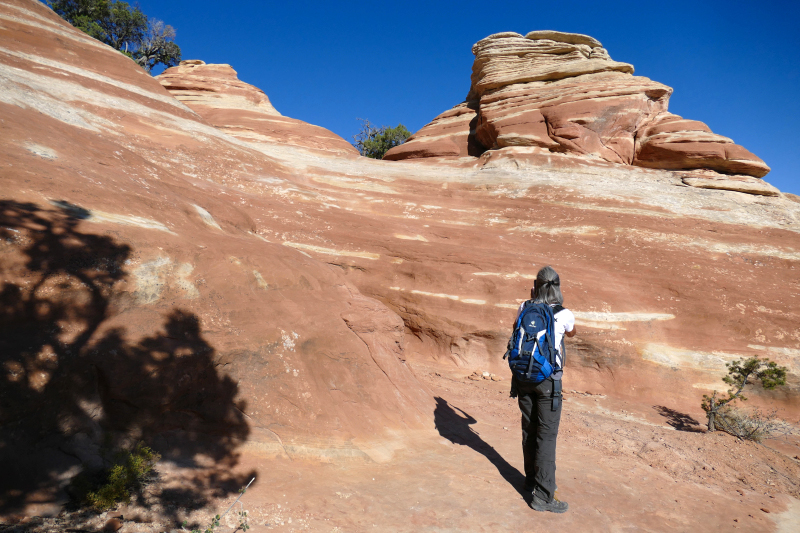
555	506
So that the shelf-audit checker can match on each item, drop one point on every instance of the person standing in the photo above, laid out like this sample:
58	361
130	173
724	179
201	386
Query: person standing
540	403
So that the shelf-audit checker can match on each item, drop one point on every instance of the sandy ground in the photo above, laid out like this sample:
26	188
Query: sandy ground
621	467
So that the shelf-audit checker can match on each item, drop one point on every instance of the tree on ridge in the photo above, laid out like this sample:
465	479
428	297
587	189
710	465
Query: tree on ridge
375	142
149	42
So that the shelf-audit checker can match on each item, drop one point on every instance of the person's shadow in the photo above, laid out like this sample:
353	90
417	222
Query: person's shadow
455	427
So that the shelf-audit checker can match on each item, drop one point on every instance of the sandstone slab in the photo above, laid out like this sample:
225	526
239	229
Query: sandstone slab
242	110
745	184
506	58
671	142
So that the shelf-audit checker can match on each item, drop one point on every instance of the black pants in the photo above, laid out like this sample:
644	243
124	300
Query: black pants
539	433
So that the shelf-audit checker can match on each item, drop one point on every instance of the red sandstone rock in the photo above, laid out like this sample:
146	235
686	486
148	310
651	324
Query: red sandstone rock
506	58
670	142
451	134
706	179
563	93
166	280
559	116
195	83
164	311
216	94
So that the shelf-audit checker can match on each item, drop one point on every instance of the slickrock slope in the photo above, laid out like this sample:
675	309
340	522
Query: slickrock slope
139	300
167	277
552	93
243	111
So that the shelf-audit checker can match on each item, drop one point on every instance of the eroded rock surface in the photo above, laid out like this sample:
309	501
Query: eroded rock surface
243	111
552	92
166	277
672	142
508	58
138	302
451	135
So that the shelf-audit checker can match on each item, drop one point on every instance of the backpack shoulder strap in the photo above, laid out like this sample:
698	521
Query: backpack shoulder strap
550	326
557	309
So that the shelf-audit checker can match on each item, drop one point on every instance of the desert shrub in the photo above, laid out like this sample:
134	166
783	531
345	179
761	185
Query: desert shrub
754	425
720	411
129	472
375	142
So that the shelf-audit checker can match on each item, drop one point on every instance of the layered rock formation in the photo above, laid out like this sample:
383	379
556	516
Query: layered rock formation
139	302
216	94
560	93
672	142
166	277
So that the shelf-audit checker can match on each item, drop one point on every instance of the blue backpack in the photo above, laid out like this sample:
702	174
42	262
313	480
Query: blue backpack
531	348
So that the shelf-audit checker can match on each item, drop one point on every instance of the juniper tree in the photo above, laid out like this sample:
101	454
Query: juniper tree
157	47
740	374
375	142
124	28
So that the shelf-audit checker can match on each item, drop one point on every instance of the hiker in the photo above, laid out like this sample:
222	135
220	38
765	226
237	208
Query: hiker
536	357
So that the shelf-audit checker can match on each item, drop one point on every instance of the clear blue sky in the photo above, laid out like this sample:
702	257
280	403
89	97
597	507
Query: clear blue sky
732	63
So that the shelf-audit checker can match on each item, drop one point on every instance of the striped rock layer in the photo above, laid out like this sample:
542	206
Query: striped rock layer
215	93
560	93
167	279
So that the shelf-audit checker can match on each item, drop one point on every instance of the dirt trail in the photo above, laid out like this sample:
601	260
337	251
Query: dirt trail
620	467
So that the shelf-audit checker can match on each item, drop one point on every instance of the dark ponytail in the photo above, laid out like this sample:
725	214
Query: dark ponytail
547	288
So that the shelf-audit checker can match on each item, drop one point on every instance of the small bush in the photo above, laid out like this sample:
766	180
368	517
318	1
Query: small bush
375	142
129	473
754	425
740	374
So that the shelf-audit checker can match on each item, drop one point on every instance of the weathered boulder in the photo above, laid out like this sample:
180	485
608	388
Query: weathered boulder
507	58
562	93
596	115
197	84
215	93
672	142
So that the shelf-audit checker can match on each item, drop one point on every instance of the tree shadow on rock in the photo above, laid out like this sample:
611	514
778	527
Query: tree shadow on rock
454	425
678	420
71	391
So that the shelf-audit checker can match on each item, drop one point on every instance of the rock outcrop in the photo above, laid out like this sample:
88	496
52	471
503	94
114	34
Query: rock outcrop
167	278
507	58
215	93
139	301
561	93
451	134
674	143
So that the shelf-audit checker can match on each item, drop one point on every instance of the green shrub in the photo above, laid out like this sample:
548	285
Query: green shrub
126	28
129	473
719	409
375	142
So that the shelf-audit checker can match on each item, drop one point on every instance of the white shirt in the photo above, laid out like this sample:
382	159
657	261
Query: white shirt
563	322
